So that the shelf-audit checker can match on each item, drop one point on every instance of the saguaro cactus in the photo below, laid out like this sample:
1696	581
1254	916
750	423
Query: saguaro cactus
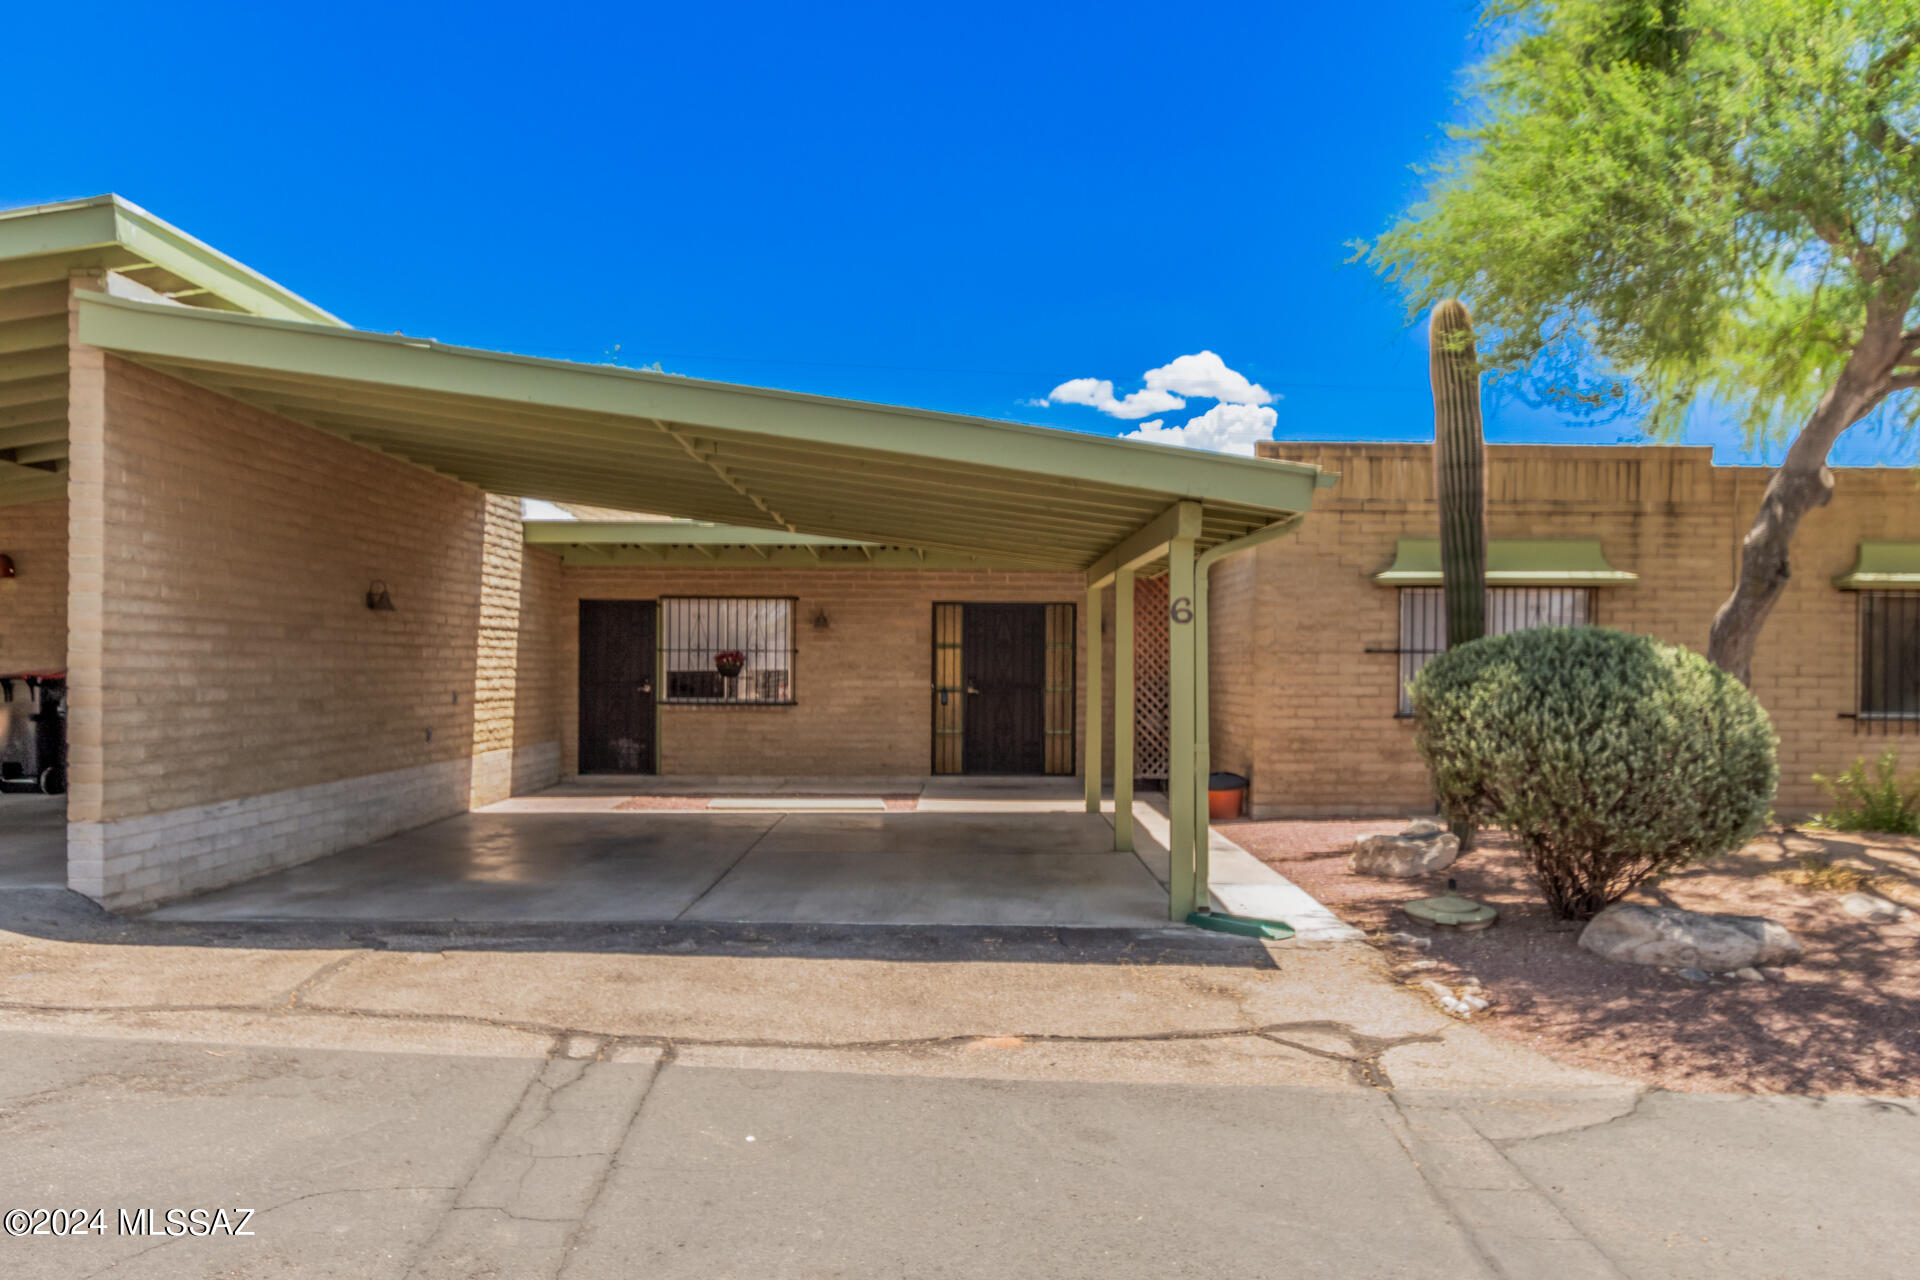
1459	470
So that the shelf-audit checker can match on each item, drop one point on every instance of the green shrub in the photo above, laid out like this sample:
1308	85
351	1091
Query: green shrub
1611	757
1871	800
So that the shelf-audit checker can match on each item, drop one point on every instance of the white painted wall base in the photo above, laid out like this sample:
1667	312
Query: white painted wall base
141	862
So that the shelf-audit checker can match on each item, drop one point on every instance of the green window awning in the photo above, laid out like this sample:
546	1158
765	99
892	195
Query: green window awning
1883	566
1511	562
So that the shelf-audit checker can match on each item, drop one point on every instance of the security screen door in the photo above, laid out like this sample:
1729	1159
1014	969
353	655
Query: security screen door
616	686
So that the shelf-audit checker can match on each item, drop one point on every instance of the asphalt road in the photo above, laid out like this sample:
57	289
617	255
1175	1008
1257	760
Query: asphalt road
632	1163
859	1104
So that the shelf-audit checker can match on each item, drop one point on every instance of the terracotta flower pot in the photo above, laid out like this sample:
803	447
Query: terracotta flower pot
1222	805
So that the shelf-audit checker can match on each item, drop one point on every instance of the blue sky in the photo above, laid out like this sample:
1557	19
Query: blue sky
958	207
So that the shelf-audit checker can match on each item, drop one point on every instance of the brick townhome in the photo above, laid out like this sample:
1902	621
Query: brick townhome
201	509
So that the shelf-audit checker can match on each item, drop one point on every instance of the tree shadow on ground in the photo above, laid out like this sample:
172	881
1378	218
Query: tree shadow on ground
1845	1018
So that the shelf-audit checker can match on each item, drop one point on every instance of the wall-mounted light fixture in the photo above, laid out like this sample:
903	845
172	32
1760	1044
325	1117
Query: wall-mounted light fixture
6	566
820	620
379	599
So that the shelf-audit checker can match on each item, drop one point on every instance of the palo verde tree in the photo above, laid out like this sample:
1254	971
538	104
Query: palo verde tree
1706	201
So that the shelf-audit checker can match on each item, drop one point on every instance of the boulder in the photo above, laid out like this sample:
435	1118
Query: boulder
1667	936
1421	848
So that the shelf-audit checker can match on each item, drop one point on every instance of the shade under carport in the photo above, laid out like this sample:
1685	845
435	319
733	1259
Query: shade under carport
637	440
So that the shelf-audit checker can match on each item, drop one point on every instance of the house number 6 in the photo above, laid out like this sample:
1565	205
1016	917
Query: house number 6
1182	611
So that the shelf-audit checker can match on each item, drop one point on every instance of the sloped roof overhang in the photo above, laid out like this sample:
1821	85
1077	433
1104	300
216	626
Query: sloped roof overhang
605	436
1511	562
41	247
48	242
1883	566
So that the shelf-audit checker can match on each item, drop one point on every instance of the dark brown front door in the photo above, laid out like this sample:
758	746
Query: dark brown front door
616	686
1004	658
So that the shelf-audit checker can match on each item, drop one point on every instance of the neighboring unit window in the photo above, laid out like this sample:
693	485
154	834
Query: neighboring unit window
1423	621
727	650
1889	657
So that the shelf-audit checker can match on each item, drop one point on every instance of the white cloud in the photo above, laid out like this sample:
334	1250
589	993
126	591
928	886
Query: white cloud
538	509
1205	376
1231	426
1225	428
1097	393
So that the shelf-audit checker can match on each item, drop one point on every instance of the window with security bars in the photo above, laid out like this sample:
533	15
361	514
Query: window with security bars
1423	621
1889	661
727	649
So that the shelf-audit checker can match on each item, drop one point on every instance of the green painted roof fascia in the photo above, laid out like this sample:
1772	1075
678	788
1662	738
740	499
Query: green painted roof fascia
414	364
1511	562
671	533
98	222
1883	566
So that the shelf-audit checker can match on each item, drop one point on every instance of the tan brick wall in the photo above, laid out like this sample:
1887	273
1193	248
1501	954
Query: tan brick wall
1807	669
514	709
1325	737
33	604
1240	666
236	705
863	687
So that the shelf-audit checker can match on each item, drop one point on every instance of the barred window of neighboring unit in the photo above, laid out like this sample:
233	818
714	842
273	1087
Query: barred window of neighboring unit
1889	661
727	650
1423	621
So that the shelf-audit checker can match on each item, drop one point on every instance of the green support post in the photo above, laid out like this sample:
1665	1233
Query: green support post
1096	721
1181	782
1123	711
1202	740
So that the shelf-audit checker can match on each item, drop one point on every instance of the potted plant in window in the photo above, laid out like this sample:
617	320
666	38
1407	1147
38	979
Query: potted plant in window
729	661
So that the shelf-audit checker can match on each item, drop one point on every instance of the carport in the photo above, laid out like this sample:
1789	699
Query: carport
994	494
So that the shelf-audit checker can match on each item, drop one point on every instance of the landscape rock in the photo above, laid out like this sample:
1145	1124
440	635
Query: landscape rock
1669	937
1696	975
1422	848
1412	940
1750	974
1871	908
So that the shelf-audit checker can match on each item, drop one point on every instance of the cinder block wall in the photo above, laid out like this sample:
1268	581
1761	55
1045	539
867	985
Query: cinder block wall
1324	740
863	686
33	604
236	706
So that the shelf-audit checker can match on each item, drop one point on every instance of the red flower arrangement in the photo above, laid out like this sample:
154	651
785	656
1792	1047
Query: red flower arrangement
729	661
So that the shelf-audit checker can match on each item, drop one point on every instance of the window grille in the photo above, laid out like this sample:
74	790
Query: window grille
728	650
1889	624
1423	621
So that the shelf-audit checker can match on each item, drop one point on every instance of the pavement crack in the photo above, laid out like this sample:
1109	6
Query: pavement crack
1367	1051
1365	1048
298	994
1633	1110
570	1248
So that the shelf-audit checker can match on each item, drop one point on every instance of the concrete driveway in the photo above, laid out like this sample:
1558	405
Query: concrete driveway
997	854
33	842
